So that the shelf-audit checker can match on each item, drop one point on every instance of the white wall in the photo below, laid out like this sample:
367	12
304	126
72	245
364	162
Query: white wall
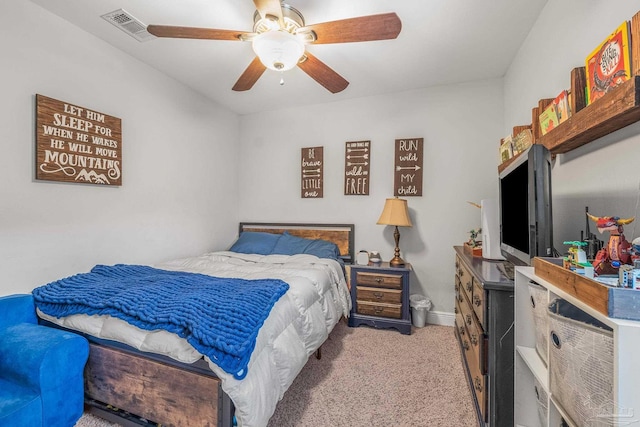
461	126
603	174
179	153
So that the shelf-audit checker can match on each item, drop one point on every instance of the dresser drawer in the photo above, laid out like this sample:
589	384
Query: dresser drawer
388	296
479	386
478	302
378	280
369	308
458	289
478	380
466	279
460	328
477	341
474	334
468	318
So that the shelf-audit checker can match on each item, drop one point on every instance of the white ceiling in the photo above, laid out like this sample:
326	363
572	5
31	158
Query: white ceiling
441	42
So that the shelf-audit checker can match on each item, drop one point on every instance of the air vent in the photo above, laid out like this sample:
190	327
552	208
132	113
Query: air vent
130	25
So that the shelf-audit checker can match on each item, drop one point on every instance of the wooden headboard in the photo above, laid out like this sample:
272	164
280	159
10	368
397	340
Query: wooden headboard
340	234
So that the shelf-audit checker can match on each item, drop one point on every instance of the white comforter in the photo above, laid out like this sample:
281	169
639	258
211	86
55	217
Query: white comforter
298	324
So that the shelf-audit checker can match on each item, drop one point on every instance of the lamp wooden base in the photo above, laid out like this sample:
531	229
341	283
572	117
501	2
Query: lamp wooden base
397	262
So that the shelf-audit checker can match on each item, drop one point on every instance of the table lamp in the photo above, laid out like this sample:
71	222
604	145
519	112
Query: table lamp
395	213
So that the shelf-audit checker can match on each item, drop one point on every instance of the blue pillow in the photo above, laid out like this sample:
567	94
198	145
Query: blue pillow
290	245
255	242
323	249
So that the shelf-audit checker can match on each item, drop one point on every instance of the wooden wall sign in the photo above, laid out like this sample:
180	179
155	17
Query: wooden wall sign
357	159
312	169
75	144
408	167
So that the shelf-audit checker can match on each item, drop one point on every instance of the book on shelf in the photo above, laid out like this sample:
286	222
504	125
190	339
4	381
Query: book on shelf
556	112
522	141
609	65
506	149
563	111
548	119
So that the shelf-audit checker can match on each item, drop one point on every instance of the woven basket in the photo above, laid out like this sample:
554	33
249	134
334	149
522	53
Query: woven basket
539	307
580	364
542	402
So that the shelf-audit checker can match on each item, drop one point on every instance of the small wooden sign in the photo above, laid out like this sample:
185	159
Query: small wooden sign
75	144
408	167
357	159
311	171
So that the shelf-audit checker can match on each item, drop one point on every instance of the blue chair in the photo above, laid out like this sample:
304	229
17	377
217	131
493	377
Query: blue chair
41	369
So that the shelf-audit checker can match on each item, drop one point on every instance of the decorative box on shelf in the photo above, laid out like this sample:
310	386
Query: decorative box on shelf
615	302
473	250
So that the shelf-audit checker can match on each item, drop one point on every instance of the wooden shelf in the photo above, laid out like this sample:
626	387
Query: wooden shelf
613	111
502	166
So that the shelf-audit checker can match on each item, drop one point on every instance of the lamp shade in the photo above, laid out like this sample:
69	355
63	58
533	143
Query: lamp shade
395	212
278	50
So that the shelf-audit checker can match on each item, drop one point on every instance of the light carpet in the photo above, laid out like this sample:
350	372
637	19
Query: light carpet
373	377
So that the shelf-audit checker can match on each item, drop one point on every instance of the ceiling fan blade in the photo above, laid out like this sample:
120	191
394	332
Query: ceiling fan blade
194	33
324	75
250	75
364	28
269	7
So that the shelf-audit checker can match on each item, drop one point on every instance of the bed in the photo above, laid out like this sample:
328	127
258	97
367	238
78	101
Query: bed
130	381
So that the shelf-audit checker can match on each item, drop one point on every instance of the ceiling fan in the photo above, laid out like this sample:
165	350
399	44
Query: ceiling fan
280	35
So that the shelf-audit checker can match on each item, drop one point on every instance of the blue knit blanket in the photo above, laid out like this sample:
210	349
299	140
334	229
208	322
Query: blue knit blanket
219	317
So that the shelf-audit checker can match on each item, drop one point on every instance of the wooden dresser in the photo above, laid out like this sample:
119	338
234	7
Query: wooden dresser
380	296
484	309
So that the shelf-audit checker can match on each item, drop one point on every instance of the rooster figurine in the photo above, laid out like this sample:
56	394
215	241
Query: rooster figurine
617	251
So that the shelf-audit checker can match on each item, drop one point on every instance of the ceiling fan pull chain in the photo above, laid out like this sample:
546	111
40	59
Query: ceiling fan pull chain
281	78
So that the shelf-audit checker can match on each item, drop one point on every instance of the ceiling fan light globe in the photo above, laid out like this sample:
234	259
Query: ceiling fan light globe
278	50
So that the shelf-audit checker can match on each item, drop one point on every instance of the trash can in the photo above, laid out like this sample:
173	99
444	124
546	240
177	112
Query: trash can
419	307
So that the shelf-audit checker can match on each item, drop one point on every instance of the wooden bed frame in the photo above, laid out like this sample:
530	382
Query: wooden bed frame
121	381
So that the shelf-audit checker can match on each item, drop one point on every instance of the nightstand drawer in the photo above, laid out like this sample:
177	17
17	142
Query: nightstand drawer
393	311
388	296
378	280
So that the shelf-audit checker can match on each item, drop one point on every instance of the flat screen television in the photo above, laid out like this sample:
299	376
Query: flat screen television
526	227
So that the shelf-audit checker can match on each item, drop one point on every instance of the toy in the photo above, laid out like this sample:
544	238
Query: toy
577	259
616	252
635	249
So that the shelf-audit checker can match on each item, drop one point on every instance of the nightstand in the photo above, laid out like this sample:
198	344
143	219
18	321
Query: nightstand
380	296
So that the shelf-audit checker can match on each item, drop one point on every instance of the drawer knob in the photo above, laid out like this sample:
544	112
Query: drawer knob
378	295
455	310
474	339
378	310
461	330
379	280
477	383
465	345
469	319
469	286
477	301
